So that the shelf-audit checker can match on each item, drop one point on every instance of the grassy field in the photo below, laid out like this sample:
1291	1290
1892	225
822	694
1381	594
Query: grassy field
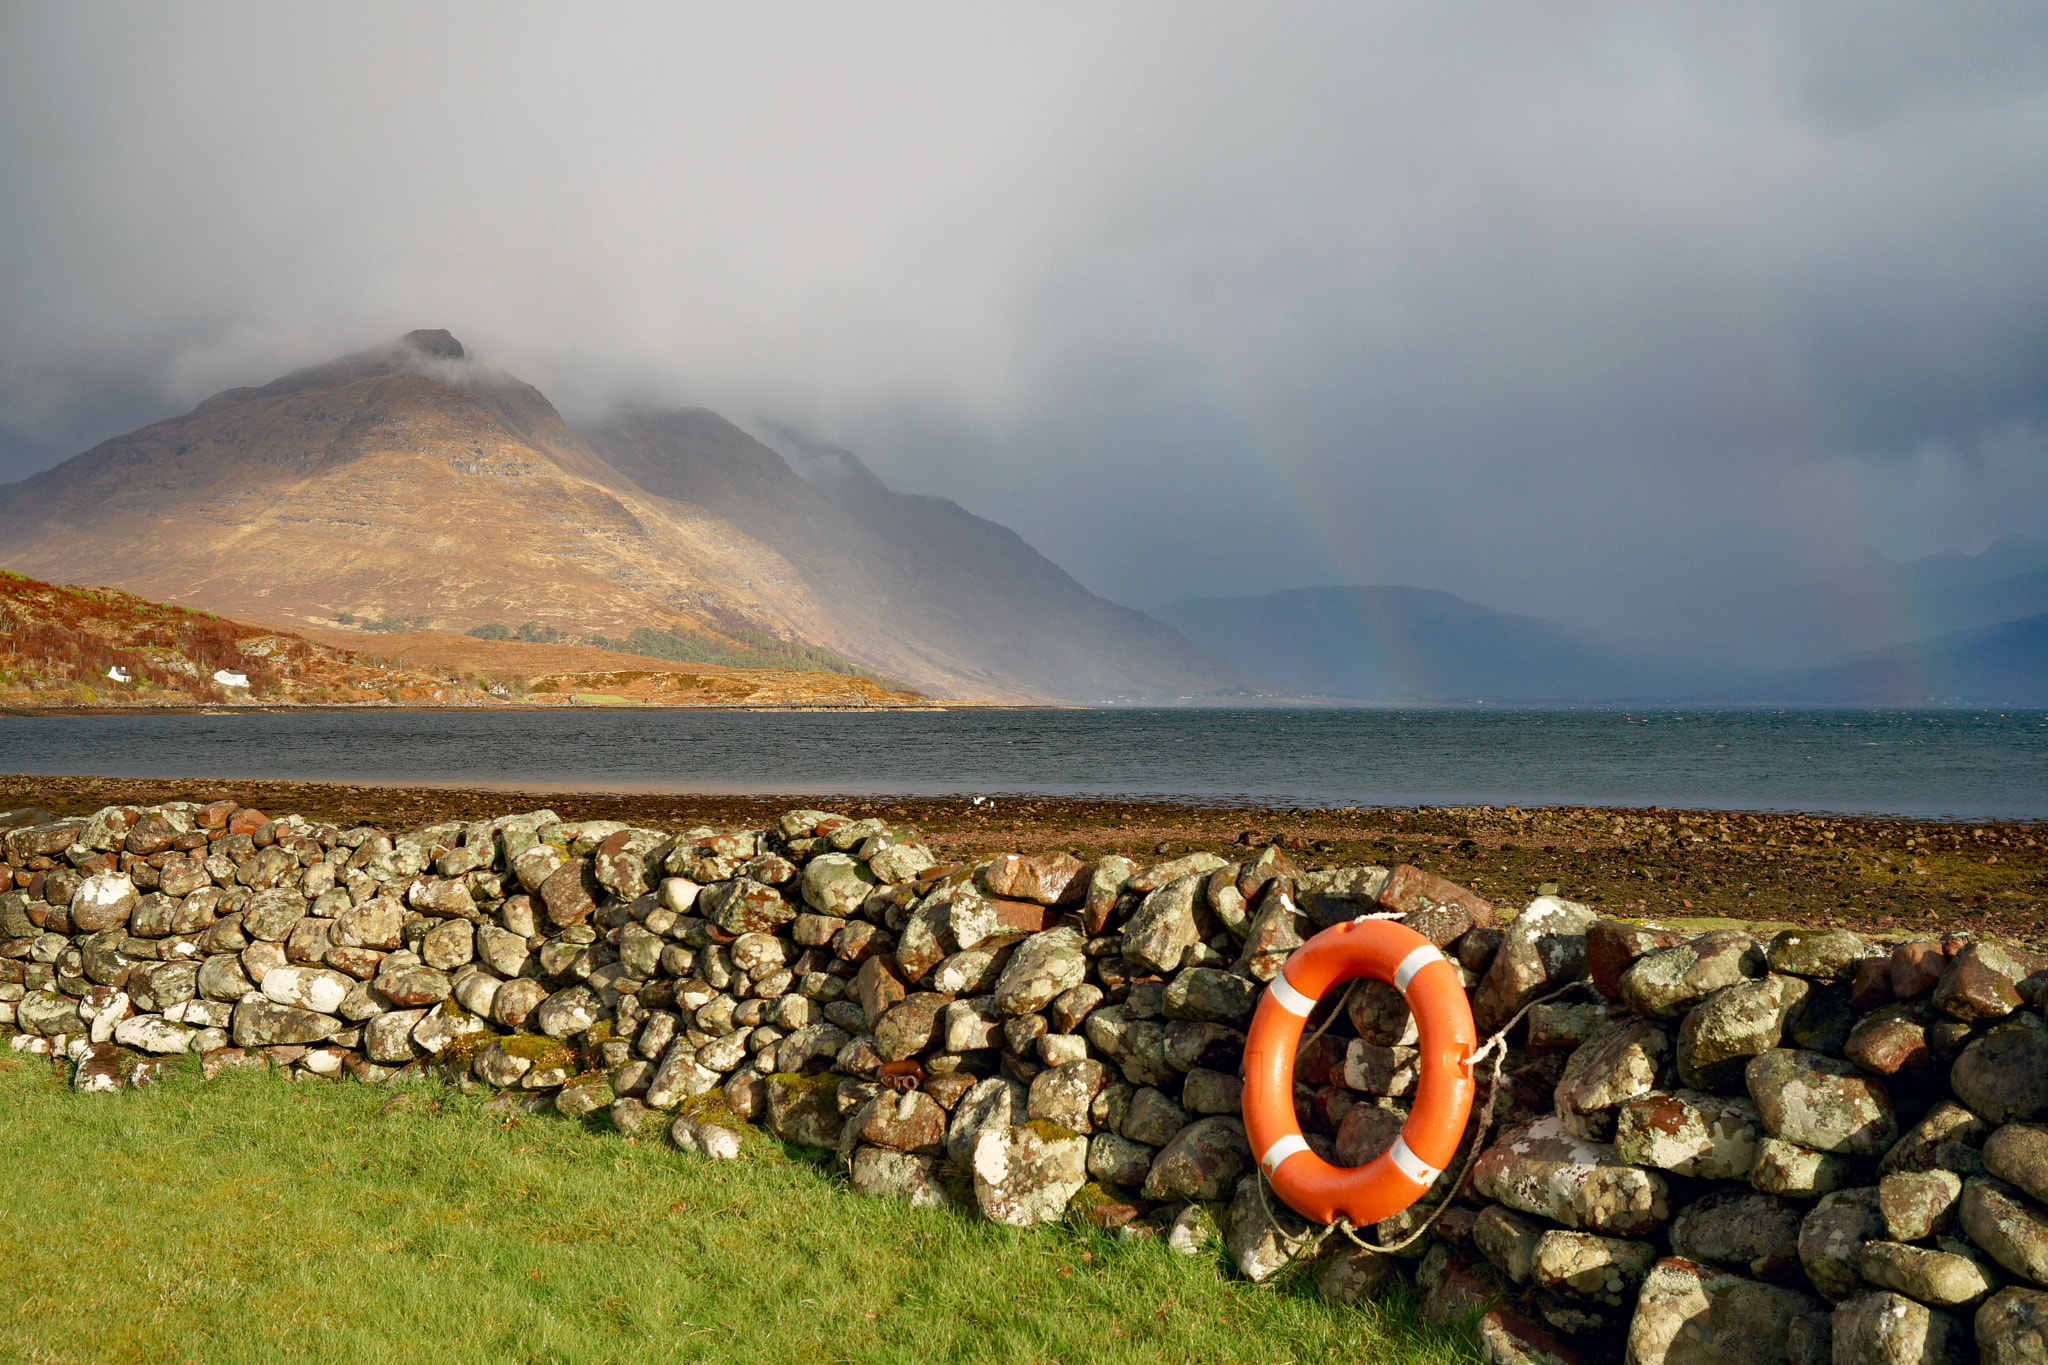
249	1218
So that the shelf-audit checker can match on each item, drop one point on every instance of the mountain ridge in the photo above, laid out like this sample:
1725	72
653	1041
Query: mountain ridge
409	479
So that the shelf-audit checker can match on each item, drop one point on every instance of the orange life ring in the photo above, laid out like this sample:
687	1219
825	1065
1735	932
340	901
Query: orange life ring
1392	1181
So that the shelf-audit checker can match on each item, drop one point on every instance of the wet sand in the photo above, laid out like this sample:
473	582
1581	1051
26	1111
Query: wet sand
1885	877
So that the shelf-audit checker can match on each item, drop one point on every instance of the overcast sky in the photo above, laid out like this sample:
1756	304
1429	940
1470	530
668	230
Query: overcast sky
1648	318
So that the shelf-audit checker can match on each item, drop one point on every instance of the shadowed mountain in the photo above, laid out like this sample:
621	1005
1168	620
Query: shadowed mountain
1416	644
955	589
2001	665
409	481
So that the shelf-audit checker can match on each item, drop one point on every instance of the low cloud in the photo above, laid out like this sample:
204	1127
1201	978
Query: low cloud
1647	317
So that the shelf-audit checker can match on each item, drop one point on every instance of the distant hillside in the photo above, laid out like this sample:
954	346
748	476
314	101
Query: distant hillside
408	486
1415	644
2000	665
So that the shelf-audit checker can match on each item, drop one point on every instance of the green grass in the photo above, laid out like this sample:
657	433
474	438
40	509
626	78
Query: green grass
248	1218
755	649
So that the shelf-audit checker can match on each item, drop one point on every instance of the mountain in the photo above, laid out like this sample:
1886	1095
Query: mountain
1416	644
2008	580
953	591
410	481
1999	665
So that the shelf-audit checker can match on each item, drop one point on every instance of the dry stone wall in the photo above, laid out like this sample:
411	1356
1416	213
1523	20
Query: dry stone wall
1706	1147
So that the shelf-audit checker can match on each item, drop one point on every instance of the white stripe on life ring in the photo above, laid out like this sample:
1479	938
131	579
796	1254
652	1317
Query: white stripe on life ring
1409	1164
1291	1000
1414	963
1281	1149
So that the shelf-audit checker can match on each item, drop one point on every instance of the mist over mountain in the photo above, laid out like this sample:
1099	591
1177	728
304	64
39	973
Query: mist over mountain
409	481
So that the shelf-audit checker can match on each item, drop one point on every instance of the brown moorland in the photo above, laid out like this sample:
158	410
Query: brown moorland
66	647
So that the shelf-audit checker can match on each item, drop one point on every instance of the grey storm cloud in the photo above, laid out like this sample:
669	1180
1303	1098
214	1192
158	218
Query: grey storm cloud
1654	318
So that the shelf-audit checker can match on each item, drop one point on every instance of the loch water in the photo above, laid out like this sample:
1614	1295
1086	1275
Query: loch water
1959	764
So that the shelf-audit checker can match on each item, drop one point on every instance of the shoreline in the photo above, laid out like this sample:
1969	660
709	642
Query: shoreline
1884	876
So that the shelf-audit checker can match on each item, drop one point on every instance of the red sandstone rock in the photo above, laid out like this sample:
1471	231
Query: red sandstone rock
1409	889
247	820
1047	878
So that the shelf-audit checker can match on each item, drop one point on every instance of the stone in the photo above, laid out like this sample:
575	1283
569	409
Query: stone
377	924
1204	994
584	1095
1047	878
2018	1153
1559	1025
1989	981
836	884
1689	1132
971	1025
567	1012
1137	1046
1042	968
1105	886
909	1122
1890	1329
1722	1032
1605	1270
1891	1039
745	906
1690	1314
1820	1102
1212	1092
1618	1064
155	1034
1164	928
907	1028
1275	931
1938	1279
997	1102
885	1173
803	1110
1353	1275
1613	946
1946	1125
1542	949
1261	1232
1381	1016
449	945
445	1026
308	988
260	1023
105	900
1917	1204
388	1037
1740	1230
2003	1076
270	916
1822	954
1507	1338
1542	1168
1071	1008
2011	1231
1366	1131
1203	1161
974	971
1667	983
1064	1094
877	988
1508	1240
515	1002
2012	1328
1832	1236
1116	1160
1409	890
902	863
1154	1118
1026	1174
1189	1045
410	984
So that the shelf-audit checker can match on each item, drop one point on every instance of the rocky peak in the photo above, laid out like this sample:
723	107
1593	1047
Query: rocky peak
435	341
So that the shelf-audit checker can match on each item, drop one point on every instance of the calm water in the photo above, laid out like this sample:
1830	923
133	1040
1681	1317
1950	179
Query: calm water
1964	764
